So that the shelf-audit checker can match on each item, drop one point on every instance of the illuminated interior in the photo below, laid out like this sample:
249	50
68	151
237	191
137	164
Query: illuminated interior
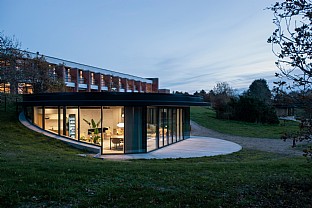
88	127
164	126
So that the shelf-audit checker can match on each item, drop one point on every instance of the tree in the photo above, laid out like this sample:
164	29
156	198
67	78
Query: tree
17	66
203	94
10	65
253	110
292	44
292	41
220	97
259	90
223	88
43	76
255	104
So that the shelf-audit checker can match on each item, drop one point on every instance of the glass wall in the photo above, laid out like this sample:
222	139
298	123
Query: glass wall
90	124
25	88
161	122
38	116
186	123
165	126
152	128
175	122
147	129
4	88
71	124
29	113
169	126
51	119
113	129
179	125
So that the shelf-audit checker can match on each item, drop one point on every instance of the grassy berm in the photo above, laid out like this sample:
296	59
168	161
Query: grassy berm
40	172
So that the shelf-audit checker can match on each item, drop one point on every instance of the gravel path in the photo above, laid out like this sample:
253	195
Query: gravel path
263	144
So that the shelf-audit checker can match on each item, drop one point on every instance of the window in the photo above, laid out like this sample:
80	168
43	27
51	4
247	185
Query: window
152	128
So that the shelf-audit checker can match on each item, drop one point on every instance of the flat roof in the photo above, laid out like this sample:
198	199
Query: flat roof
111	99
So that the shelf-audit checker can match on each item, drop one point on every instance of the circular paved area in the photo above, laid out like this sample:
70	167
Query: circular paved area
193	147
262	144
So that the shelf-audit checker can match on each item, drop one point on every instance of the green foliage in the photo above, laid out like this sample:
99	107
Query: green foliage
94	126
304	133
308	153
20	66
259	90
253	106
206	96
207	118
251	109
9	102
291	42
221	95
37	171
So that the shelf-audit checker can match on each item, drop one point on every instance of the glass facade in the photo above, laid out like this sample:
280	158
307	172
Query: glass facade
29	113
22	88
38	115
165	126
4	87
117	129
51	119
113	129
90	124
152	129
25	88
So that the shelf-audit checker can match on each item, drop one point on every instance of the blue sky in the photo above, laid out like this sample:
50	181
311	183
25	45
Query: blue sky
188	44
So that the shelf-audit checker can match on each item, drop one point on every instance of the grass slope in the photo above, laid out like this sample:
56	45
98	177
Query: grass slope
207	117
40	172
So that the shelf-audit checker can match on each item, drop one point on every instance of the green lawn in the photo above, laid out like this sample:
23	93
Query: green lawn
207	117
40	172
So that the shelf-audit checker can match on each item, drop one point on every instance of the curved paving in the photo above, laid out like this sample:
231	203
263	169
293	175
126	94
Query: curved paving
196	146
262	144
192	147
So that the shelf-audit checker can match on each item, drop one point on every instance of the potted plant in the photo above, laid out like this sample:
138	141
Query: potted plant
95	135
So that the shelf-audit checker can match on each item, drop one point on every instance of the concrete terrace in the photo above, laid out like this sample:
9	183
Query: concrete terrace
189	148
196	146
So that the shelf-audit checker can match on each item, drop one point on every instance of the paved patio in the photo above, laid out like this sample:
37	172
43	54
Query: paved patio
192	147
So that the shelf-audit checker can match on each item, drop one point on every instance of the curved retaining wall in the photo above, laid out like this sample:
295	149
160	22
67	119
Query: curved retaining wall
76	144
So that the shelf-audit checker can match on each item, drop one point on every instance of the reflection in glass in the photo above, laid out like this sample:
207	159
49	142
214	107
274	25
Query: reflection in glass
174	125
169	126
151	129
161	127
38	116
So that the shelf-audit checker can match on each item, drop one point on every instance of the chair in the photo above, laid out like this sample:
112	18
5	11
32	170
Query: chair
115	141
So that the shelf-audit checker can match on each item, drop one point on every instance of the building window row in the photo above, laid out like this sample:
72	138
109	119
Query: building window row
22	88
91	81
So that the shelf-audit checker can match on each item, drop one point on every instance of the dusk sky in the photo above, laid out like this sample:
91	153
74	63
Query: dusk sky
188	44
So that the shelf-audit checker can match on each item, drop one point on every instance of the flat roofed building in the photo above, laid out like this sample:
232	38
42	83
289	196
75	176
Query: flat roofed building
115	112
118	122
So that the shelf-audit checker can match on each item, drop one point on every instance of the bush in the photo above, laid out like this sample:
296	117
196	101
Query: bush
250	109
